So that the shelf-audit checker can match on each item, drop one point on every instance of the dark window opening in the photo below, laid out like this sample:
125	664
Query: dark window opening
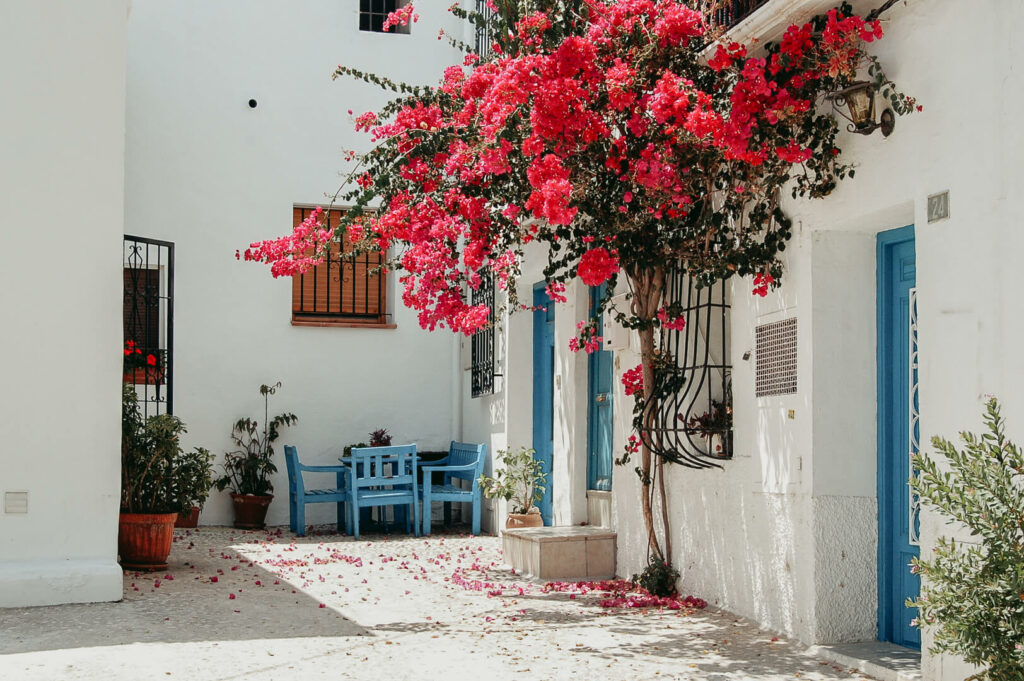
373	14
483	341
148	322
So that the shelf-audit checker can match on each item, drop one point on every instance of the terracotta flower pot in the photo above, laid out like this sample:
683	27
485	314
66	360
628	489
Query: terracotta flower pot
188	520
144	540
250	510
518	520
143	376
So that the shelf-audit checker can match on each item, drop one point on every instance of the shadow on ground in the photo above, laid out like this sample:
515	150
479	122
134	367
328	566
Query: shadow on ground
190	601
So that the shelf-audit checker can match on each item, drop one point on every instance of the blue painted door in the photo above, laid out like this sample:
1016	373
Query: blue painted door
599	407
897	435
543	389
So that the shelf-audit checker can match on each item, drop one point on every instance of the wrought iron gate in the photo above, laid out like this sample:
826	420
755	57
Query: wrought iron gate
149	322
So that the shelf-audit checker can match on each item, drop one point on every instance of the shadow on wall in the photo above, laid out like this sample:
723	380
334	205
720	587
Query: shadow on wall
738	530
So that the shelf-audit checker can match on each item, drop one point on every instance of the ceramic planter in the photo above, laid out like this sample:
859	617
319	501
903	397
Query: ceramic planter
188	520
518	520
250	510
144	540
143	376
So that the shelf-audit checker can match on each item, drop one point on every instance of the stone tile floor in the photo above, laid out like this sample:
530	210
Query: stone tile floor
268	605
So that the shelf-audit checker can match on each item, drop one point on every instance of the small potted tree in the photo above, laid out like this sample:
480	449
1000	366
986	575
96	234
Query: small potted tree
195	479
157	482
247	470
520	482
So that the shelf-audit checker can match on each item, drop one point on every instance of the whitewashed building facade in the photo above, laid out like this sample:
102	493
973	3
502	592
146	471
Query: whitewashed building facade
208	124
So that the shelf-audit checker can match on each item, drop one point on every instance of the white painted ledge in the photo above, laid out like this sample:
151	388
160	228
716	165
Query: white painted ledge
771	20
54	582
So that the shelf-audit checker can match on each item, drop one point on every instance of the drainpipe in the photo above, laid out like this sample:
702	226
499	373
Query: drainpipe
457	388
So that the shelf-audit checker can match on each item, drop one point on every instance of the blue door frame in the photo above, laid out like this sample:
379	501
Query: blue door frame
599	406
897	407
544	390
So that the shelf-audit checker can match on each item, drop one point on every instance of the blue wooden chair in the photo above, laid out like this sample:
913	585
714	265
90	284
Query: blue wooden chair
299	496
383	476
464	462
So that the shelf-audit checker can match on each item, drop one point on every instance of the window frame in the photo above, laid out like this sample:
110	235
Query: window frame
339	317
374	20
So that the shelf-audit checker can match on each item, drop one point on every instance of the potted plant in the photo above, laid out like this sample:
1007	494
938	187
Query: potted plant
247	470
157	482
715	427
519	481
195	478
142	368
378	438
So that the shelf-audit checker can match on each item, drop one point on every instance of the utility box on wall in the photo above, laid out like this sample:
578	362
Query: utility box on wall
616	336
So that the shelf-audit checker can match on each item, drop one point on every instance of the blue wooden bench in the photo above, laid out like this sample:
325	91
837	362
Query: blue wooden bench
464	462
299	496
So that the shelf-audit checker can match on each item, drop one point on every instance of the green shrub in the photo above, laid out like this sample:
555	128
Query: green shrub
658	578
973	594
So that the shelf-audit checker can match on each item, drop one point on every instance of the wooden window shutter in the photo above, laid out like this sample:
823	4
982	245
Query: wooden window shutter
345	288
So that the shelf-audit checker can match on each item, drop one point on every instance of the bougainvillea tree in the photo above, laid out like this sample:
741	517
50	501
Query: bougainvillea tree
624	135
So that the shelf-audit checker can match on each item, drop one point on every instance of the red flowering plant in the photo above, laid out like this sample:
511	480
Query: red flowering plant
625	135
136	357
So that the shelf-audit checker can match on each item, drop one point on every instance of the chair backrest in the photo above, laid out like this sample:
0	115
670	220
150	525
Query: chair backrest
291	459
380	466
463	454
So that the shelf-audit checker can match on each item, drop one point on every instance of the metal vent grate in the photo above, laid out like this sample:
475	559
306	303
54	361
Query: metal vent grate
776	358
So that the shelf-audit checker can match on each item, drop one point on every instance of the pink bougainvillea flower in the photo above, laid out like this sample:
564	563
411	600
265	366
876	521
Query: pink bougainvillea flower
674	324
761	283
597	266
633	380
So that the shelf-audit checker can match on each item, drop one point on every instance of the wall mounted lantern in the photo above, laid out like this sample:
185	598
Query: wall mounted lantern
859	98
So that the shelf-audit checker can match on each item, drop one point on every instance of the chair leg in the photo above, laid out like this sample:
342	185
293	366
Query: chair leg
476	517
355	519
426	512
300	517
415	514
291	511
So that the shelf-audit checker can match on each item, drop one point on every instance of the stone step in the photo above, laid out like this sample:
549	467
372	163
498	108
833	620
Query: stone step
884	661
573	553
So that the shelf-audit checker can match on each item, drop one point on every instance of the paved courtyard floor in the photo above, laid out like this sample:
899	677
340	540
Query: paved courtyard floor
270	606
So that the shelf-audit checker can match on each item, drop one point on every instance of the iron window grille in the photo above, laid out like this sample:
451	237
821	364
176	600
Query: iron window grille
729	13
688	419
347	288
373	14
483	370
148	321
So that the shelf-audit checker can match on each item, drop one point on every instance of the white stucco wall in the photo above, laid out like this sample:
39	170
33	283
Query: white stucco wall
211	174
787	533
62	65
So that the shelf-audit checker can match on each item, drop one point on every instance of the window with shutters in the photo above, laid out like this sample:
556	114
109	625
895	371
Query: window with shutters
348	289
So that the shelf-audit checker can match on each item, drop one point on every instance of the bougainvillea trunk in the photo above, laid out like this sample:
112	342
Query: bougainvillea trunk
648	285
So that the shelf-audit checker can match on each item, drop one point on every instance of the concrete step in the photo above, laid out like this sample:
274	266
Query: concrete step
564	553
884	661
